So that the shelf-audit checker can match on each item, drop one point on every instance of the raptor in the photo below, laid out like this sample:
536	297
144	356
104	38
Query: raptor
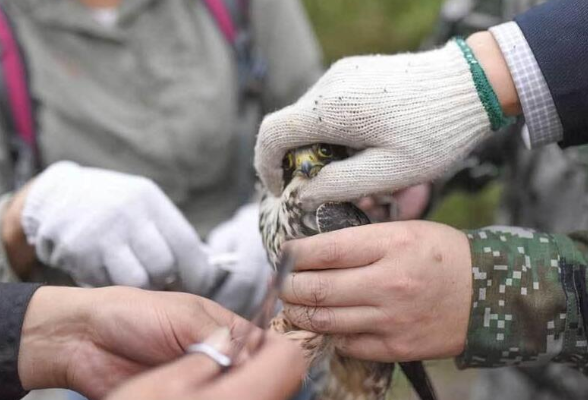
284	218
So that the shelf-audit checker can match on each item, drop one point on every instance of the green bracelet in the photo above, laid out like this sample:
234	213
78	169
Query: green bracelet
485	92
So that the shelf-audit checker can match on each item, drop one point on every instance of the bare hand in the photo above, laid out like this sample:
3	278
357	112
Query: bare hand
91	340
389	292
272	374
404	205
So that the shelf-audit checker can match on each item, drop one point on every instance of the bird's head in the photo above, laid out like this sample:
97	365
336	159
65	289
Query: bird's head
307	161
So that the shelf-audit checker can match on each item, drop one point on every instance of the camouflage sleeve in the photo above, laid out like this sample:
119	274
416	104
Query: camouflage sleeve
6	273
529	295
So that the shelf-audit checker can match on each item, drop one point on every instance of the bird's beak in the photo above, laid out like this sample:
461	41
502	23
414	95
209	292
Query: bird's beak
306	168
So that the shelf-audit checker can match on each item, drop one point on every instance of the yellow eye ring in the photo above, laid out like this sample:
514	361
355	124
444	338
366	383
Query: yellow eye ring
325	150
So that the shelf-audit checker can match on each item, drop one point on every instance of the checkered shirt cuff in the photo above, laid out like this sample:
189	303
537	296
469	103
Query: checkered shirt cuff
543	123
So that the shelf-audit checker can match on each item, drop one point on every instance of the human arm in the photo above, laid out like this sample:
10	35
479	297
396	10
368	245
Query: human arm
387	108
408	118
527	299
14	299
91	340
557	36
419	290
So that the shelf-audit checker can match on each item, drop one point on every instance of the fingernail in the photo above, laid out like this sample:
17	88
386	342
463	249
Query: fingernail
220	339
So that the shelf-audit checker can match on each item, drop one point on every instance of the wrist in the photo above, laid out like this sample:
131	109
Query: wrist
520	308
56	324
490	57
19	253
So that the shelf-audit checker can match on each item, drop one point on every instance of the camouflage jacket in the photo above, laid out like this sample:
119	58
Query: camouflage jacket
529	299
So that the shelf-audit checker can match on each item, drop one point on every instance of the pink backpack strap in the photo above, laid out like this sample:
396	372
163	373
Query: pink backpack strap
232	19
223	18
16	86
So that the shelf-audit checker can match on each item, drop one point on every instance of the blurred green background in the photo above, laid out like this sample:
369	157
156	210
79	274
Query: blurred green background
351	27
347	27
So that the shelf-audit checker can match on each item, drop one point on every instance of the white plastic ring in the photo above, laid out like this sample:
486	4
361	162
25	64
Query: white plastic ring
218	357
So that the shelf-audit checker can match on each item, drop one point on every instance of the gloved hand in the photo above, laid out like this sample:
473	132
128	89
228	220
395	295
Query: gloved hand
409	117
105	228
248	272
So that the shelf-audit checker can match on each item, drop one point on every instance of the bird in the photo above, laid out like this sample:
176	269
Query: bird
284	218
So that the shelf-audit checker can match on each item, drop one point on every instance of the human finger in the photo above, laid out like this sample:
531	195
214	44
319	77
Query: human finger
278	133
329	288
178	378
346	248
189	253
154	254
94	273
220	343
413	201
332	320
370	171
124	268
279	359
244	335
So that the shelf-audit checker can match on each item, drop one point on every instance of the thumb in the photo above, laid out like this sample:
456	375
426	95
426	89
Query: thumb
197	274
287	129
179	378
366	173
190	254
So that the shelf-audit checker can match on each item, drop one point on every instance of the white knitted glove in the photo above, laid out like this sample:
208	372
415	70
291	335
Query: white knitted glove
409	116
248	273
106	228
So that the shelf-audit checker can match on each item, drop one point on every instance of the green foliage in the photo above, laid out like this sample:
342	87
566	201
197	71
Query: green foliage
349	27
469	211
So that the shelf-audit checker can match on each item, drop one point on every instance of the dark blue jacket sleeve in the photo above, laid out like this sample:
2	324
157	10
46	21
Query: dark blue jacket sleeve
14	300
557	33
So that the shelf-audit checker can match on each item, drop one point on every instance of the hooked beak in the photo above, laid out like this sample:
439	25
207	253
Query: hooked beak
306	168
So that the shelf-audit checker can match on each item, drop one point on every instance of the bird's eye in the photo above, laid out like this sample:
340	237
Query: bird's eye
325	151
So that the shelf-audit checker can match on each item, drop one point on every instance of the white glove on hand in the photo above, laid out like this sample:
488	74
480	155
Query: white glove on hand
249	272
410	116
106	228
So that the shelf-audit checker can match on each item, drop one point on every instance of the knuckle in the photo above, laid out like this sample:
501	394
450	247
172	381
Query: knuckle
399	350
404	286
323	320
405	238
312	318
320	290
386	320
330	253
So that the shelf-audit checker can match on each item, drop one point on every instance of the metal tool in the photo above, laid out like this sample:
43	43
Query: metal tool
267	308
